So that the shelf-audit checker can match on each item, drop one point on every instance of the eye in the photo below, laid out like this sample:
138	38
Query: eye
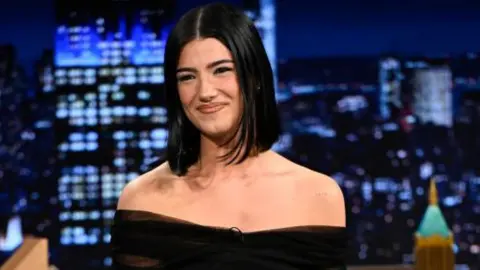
186	77
221	70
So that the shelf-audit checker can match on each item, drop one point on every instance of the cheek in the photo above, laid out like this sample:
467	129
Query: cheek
233	87
186	95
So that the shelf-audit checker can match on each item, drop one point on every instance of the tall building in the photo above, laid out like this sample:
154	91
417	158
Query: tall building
42	219
433	101
434	240
266	24
27	189
110	118
10	149
390	79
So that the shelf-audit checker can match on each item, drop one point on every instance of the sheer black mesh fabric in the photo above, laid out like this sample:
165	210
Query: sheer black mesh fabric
144	240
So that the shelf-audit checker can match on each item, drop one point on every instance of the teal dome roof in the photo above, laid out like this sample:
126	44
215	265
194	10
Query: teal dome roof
433	223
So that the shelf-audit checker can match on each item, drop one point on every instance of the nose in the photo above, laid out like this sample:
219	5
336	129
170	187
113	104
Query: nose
207	90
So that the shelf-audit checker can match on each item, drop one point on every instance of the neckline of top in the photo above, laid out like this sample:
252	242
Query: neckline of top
142	215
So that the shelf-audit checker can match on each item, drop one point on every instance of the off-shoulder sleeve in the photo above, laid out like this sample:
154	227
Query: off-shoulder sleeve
133	243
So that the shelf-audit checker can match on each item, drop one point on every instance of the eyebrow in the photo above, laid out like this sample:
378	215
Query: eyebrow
209	66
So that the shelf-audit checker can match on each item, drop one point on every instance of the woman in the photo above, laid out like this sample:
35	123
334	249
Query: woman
223	199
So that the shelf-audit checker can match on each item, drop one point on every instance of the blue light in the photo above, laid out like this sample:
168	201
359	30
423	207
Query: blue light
92	46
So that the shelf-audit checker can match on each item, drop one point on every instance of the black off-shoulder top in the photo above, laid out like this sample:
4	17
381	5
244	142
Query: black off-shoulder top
145	240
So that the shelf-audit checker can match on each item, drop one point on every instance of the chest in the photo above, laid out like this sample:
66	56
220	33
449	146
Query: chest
245	205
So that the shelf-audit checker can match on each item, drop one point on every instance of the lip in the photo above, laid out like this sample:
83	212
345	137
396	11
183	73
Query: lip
210	108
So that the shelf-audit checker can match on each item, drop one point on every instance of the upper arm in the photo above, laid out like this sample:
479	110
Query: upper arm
328	203
126	241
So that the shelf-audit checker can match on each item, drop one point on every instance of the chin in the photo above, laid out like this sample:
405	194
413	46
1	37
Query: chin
216	130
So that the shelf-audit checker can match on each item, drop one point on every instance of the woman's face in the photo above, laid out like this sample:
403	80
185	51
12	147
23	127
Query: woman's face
208	87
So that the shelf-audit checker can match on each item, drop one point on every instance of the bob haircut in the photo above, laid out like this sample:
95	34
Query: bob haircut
259	125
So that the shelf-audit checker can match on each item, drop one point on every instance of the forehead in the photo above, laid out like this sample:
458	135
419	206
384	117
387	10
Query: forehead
201	52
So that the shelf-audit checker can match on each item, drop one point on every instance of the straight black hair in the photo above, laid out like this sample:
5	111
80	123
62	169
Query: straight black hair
259	125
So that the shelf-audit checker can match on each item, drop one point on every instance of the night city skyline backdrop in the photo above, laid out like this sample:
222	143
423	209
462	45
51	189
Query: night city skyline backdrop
381	126
328	28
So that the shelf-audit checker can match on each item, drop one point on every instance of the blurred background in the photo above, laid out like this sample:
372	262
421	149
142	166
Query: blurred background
381	95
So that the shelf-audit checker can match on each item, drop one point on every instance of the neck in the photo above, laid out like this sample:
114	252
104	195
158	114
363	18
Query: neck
210	163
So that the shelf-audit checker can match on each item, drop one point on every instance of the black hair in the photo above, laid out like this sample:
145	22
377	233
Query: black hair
259	126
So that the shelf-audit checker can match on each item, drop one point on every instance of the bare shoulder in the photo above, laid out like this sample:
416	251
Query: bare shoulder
325	199
321	195
135	194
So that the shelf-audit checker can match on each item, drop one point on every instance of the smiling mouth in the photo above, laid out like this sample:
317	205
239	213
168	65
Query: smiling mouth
209	109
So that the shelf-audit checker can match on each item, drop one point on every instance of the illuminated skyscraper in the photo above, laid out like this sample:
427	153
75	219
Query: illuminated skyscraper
267	26
44	72
434	240
110	118
390	79
433	96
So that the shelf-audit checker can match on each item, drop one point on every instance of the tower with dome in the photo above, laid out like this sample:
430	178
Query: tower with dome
433	239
